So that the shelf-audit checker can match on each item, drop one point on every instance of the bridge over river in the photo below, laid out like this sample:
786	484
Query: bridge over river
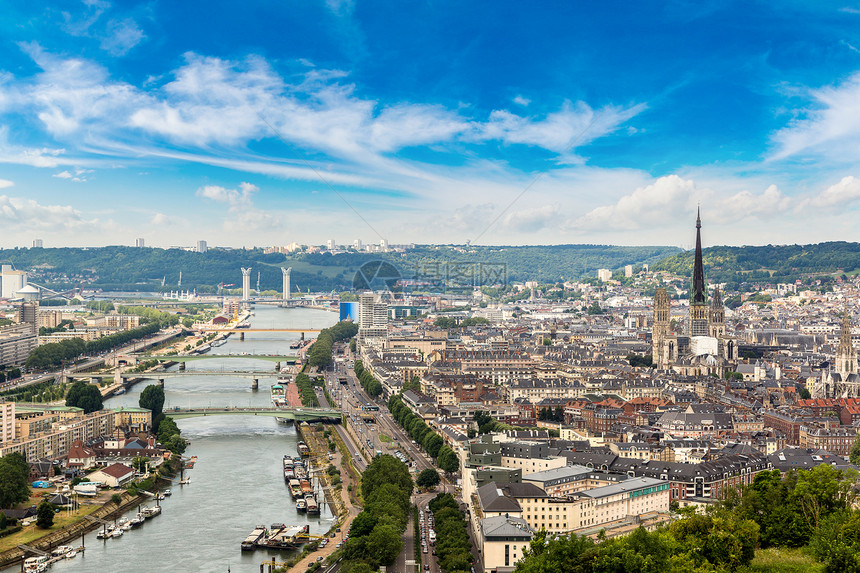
296	414
193	357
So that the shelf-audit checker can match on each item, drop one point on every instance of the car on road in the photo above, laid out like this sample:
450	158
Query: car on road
320	558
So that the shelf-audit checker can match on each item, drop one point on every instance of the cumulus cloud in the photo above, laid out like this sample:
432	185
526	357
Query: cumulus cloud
520	100
240	197
532	220
27	213
160	219
242	212
834	198
4	183
672	198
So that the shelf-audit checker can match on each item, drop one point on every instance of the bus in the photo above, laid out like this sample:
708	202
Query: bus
370	408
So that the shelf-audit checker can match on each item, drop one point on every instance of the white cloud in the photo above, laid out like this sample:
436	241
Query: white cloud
234	197
242	213
4	183
533	219
27	213
831	128
78	176
160	219
672	198
837	197
122	36
520	100
570	127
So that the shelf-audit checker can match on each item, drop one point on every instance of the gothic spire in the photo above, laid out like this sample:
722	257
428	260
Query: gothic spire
697	293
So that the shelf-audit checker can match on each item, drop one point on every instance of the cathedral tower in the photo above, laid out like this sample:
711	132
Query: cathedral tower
699	312
662	349
846	356
717	317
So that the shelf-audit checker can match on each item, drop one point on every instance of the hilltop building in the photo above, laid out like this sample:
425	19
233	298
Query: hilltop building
706	349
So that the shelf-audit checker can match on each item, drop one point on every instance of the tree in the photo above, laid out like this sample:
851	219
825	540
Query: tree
14	480
854	455
386	543
85	396
806	395
45	515
362	525
152	398
427	478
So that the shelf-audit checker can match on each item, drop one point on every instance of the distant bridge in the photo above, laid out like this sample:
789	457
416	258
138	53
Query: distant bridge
296	414
191	357
241	330
161	375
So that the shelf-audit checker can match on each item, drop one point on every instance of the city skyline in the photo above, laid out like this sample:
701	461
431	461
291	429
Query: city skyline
436	123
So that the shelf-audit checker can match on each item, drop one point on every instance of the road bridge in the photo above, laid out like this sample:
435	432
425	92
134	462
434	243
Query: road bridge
296	414
242	330
161	375
192	357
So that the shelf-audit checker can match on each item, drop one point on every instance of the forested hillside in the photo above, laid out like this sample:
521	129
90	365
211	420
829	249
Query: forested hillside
781	263
130	268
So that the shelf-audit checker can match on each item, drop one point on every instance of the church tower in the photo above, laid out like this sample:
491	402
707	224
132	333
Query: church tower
717	317
699	312
846	356
661	352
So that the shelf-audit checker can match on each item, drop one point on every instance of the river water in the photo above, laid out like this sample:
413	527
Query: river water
237	482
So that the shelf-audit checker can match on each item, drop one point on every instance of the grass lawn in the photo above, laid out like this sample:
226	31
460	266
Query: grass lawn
775	560
31	533
384	438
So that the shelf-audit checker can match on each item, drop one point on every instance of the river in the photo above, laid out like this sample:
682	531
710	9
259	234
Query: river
237	482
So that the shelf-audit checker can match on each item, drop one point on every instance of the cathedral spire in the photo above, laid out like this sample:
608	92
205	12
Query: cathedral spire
697	293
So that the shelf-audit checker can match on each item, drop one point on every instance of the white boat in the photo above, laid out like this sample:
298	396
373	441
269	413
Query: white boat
117	532
61	550
168	492
36	564
185	481
71	554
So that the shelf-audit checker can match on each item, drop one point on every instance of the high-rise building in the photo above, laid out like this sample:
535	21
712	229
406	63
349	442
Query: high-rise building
202	247
604	275
28	312
628	271
356	244
246	284
12	281
372	316
7	422
383	245
139	243
37	243
286	281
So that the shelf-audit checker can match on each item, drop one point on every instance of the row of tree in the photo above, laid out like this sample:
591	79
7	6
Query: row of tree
371	385
421	433
320	352
54	354
453	547
451	322
375	532
306	390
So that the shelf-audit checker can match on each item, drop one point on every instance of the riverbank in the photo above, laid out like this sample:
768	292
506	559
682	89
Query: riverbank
107	512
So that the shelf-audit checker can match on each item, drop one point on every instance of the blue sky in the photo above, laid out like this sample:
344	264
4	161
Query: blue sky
436	122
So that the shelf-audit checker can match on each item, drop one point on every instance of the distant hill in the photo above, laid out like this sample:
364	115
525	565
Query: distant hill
770	263
132	268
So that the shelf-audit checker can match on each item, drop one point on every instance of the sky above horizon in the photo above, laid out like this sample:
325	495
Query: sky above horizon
430	122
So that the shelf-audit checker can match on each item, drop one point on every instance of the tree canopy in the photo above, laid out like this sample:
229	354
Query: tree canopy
85	396
152	398
14	480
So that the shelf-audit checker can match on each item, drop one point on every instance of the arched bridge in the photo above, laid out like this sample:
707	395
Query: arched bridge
161	375
297	414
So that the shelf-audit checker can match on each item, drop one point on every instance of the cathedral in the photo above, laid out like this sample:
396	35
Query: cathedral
705	349
841	380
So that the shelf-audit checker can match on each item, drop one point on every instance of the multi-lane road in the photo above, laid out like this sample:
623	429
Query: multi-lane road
351	398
